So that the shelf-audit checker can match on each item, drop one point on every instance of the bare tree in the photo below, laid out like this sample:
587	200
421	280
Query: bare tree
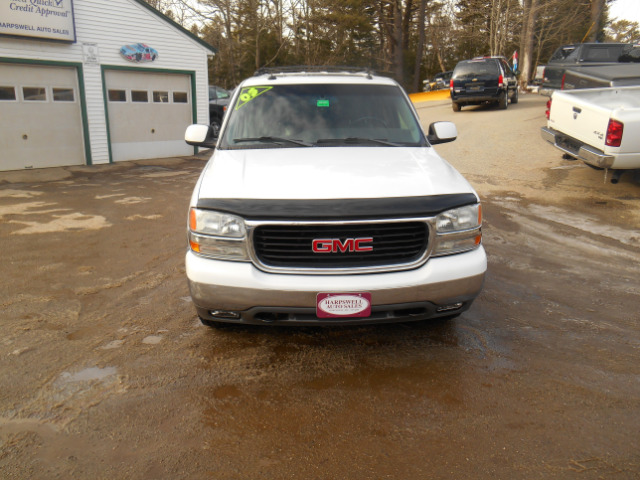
420	46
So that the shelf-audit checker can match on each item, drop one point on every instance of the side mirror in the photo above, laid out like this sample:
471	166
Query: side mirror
201	136
442	132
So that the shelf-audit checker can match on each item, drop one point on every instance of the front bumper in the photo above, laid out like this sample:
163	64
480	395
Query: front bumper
574	148
442	286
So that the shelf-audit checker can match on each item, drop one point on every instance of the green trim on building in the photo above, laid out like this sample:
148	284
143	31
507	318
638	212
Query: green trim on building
104	68
81	92
177	25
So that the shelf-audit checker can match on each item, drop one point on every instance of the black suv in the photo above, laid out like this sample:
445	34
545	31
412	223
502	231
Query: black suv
483	80
218	101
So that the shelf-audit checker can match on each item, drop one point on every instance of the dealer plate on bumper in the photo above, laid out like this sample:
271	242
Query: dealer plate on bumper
341	305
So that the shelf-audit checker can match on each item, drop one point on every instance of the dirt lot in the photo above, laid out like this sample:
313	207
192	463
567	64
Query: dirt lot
105	371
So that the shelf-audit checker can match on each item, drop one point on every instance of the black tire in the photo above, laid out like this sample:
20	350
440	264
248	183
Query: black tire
214	324
502	103
215	125
456	106
514	97
593	166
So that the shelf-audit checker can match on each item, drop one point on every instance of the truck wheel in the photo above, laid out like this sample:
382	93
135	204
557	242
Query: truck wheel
214	324
502	103
456	106
215	125
514	97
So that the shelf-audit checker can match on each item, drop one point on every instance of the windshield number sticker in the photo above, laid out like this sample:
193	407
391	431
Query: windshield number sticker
249	93
322	103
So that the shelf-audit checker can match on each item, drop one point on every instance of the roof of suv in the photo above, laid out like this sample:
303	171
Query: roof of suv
311	75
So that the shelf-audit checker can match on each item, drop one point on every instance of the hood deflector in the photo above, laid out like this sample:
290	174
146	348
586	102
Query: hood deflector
338	209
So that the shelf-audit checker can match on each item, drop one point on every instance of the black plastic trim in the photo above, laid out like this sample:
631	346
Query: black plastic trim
338	209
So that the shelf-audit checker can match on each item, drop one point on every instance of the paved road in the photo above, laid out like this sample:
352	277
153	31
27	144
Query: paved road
105	371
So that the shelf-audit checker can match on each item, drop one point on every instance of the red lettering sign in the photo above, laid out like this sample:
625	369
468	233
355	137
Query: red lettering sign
335	245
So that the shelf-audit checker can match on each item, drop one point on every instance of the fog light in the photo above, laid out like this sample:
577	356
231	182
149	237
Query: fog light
449	308
224	314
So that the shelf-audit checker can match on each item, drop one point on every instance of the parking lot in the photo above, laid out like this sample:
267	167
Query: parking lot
106	372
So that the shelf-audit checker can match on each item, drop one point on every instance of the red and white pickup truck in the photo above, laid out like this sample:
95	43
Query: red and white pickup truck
600	126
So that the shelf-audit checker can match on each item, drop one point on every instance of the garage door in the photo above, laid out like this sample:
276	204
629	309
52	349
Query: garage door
40	117
148	114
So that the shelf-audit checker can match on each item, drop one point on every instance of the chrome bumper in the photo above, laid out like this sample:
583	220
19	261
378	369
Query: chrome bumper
238	292
585	153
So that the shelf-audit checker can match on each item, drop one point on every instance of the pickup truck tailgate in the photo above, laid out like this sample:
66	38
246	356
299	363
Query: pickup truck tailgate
584	115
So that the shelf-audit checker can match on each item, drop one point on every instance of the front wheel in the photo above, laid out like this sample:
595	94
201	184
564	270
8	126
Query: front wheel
216	325
215	125
514	97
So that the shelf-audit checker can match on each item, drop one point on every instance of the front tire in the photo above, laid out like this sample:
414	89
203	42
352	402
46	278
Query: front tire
214	324
514	97
215	125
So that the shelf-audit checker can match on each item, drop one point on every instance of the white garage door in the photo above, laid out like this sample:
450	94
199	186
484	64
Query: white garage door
148	114
40	117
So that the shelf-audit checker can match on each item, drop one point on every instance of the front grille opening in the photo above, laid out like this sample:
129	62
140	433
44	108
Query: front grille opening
290	246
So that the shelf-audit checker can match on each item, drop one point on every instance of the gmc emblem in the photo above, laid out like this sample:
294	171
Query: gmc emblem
335	245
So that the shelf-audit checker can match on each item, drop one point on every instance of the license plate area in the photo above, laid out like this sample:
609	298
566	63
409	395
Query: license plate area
343	305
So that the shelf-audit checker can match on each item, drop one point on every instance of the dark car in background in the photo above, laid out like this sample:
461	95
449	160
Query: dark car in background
602	76
483	80
442	79
585	55
218	102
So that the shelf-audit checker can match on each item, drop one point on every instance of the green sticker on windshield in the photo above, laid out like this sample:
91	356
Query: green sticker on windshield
322	103
249	93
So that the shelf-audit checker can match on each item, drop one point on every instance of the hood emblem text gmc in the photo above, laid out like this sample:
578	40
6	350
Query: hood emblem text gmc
335	245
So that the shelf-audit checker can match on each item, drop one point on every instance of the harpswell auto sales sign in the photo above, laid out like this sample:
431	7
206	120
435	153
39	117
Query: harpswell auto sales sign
42	19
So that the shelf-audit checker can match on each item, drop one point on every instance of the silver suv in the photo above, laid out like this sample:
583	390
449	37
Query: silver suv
324	202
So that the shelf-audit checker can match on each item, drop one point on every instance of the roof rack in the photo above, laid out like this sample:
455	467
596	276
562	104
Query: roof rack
273	71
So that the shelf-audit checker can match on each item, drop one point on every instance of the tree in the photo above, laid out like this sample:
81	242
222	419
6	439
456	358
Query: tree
624	31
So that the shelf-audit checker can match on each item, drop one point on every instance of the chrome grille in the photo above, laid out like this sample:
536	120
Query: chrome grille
290	246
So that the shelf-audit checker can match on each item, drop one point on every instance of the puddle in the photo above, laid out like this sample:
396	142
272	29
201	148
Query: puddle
87	375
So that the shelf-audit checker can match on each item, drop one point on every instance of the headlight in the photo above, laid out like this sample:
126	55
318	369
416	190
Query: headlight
219	224
217	235
463	218
458	230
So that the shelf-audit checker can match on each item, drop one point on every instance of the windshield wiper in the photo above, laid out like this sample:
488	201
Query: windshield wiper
357	141
275	140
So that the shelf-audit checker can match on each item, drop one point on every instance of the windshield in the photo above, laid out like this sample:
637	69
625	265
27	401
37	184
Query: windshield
321	115
476	68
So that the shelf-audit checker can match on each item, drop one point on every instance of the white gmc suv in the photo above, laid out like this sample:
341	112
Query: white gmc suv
324	202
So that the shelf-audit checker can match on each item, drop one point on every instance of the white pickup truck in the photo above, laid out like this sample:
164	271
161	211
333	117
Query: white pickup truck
600	126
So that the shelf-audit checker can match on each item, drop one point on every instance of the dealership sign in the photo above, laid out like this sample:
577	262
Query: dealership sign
336	305
43	19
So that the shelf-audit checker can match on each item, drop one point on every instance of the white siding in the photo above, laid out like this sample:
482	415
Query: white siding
111	24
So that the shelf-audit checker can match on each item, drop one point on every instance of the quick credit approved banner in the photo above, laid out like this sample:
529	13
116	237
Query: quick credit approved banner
44	19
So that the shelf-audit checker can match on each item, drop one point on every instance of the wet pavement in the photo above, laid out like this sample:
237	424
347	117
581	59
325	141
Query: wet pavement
106	372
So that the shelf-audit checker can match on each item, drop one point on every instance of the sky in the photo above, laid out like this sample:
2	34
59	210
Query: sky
625	9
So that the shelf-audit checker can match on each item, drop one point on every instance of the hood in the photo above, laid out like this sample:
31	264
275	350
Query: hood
329	173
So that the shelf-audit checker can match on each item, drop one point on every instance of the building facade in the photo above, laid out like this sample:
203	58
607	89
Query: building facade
96	81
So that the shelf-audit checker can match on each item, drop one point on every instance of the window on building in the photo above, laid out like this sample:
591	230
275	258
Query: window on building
7	93
63	95
34	94
160	97
139	96
180	97
117	96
